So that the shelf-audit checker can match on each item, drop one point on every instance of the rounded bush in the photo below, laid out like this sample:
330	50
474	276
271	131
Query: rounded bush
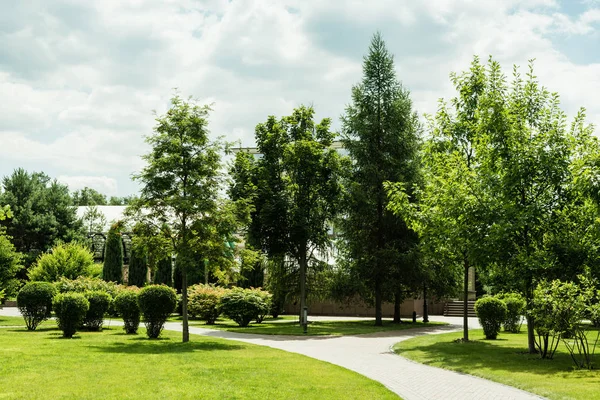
515	309
156	302
70	310
491	313
243	305
126	305
266	307
66	259
99	304
204	302
35	302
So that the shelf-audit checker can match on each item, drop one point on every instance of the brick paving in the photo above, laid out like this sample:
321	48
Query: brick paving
371	356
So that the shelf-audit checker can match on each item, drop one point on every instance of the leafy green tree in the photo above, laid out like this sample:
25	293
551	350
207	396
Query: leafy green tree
381	134
88	197
121	201
153	241
93	220
164	272
112	270
138	269
293	188
10	260
42	212
181	181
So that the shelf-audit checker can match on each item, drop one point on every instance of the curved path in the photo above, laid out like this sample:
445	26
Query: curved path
371	356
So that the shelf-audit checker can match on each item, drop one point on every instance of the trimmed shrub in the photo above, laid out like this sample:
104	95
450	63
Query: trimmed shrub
126	305
164	272
138	269
204	302
99	304
35	302
515	309
491	313
86	284
266	307
67	259
156	302
70	310
112	270
242	305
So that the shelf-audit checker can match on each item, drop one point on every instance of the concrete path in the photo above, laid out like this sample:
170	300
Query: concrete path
371	356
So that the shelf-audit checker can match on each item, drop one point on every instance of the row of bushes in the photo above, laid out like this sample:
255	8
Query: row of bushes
81	303
207	303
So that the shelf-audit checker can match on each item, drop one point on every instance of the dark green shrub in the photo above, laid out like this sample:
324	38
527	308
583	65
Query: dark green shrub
204	302
515	309
164	272
138	269
491	313
156	302
99	305
267	305
126	305
112	271
35	302
242	305
70	310
66	259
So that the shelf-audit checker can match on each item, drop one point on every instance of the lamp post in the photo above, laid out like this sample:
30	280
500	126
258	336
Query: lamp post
304	321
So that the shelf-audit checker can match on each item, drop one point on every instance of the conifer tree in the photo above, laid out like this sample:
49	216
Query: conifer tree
112	270
138	268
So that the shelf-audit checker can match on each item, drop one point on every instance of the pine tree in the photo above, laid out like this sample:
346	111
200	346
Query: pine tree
138	268
382	136
112	270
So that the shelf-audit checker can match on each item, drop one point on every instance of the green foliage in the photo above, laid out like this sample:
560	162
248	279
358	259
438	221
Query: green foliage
181	182
127	307
156	302
10	265
138	268
204	302
491	313
69	260
113	255
93	220
42	213
515	310
100	303
252	269
164	272
381	133
86	284
88	197
244	305
35	302
70	310
266	306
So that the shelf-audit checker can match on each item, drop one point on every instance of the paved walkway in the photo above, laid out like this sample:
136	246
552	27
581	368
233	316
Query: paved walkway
371	356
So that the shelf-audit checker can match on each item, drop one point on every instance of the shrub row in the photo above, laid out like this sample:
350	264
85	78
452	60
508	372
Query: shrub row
207	302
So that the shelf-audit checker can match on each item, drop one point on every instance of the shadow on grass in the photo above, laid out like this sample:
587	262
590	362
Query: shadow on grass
485	354
143	345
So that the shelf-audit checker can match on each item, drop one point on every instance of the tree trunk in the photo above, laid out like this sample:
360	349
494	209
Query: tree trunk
466	302
378	301
397	301
303	264
184	299
425	305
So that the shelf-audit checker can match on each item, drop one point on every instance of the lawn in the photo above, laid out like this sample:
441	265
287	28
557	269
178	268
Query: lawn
505	360
289	325
19	321
110	364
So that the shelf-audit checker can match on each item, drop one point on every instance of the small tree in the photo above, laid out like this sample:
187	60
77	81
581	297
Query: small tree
156	302
35	302
70	309
113	255
69	260
491	313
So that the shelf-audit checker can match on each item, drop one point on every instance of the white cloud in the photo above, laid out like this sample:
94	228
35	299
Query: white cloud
103	184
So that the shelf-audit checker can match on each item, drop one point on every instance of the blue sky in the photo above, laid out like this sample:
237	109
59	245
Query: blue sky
79	79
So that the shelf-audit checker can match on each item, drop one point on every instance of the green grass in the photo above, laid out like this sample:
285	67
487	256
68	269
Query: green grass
505	360
19	321
111	365
289	325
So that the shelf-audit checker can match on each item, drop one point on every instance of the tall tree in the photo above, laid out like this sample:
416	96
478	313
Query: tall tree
88	197
138	268
42	211
181	181
93	220
381	134
10	260
112	271
294	190
164	272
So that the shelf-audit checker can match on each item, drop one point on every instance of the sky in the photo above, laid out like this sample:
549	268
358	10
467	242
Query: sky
80	79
